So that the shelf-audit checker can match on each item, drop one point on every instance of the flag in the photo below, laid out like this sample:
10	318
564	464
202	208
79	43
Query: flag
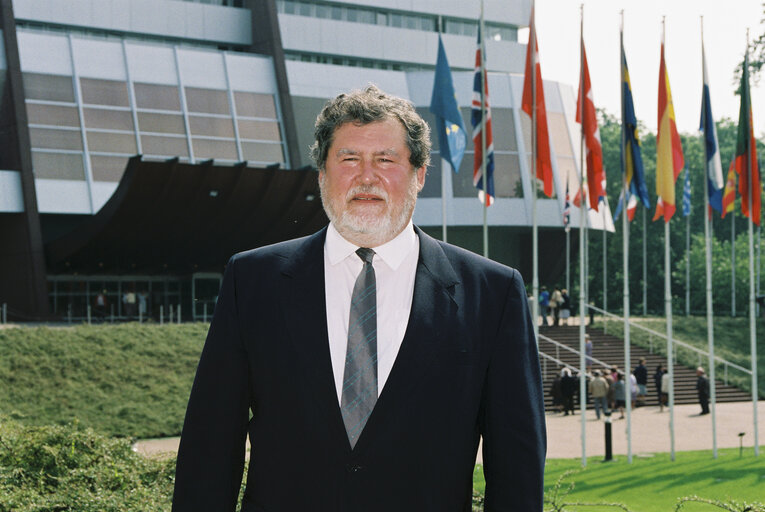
567	212
746	151
714	167
475	120
729	196
542	150
687	194
631	206
669	153
452	136
589	121
633	164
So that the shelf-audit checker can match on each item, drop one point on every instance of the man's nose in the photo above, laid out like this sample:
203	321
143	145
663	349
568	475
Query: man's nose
368	172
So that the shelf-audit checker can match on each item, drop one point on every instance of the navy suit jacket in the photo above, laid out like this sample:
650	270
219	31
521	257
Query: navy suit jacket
467	368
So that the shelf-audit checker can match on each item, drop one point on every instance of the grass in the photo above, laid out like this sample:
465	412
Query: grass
731	339
655	483
128	380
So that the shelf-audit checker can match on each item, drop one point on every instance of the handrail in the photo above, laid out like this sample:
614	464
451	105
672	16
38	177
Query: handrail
566	347
675	341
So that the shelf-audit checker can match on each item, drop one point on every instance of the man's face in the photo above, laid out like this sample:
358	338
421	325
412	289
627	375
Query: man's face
368	186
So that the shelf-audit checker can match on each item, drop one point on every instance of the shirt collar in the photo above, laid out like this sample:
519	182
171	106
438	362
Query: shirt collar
392	253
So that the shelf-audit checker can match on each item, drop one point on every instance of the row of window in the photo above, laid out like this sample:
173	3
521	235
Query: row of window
353	62
424	22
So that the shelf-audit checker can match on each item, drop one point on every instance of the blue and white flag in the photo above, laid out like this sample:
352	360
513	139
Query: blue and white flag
687	194
452	136
715	183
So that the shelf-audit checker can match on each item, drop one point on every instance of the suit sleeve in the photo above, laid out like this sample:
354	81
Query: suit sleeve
513	421
211	453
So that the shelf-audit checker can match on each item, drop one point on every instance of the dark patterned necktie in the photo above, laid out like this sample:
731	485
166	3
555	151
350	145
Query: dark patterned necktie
360	374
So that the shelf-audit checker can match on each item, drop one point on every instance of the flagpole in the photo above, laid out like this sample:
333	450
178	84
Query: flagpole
687	262
668	314
645	266
444	171
484	181
583	212
733	264
605	267
534	233
750	186
708	257
625	244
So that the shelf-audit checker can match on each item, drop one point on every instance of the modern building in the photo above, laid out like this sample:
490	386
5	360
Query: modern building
143	139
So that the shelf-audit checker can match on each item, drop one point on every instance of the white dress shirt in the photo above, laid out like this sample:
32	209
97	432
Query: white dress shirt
395	264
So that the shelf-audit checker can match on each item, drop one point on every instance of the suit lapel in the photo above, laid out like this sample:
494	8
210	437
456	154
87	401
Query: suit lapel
430	321
304	302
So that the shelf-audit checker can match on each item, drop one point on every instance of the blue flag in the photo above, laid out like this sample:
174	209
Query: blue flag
452	136
687	194
633	164
714	179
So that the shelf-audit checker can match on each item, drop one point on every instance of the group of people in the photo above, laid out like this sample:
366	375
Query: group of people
608	389
557	305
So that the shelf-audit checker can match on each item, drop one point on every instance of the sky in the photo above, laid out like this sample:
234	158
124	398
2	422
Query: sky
725	25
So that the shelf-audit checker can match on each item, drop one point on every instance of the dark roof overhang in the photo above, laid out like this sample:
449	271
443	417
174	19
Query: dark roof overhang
177	218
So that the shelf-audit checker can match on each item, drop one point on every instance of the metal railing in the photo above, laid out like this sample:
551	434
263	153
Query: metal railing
703	355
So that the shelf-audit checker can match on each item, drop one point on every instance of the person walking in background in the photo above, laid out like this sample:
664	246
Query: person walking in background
641	376
588	352
568	386
565	307
598	388
544	304
555	303
702	388
609	376
620	394
657	375
556	391
665	384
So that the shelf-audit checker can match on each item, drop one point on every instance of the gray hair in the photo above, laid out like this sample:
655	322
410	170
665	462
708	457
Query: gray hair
369	106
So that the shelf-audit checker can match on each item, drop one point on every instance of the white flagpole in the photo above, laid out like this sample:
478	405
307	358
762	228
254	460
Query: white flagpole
534	233
708	253
484	180
752	320
444	171
583	212
605	263
645	266
625	250
668	313
687	262
733	264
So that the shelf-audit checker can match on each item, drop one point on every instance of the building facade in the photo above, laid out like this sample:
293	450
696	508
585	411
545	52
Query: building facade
89	84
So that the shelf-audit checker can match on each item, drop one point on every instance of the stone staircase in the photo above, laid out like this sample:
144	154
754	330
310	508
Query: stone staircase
610	350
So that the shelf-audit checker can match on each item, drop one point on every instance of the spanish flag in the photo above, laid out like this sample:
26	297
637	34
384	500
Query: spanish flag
669	153
729	195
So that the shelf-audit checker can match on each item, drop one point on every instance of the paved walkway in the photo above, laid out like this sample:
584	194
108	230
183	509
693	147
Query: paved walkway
650	432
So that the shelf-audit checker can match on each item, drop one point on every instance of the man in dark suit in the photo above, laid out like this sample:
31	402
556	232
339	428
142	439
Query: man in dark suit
366	361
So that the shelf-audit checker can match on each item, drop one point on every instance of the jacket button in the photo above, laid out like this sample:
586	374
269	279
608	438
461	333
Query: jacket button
353	468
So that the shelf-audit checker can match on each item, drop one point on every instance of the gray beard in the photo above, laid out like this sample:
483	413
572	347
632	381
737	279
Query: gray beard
370	231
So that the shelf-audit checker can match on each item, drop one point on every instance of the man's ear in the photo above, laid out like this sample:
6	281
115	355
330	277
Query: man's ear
421	177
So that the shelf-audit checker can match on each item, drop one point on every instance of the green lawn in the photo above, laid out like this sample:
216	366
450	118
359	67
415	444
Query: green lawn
654	484
130	380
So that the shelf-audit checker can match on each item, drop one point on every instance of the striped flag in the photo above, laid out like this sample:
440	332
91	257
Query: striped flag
567	211
669	152
633	165
534	90
714	167
729	195
746	151
589	120
475	119
631	206
687	194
